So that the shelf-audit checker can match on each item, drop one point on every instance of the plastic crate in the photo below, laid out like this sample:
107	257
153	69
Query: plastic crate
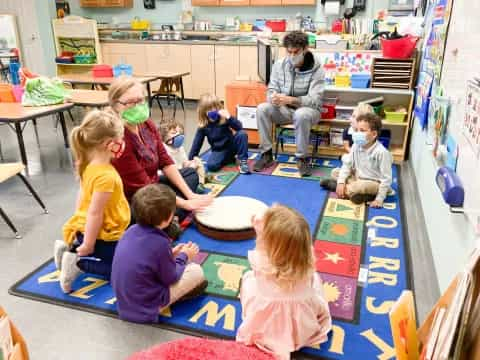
102	71
85	59
342	80
360	81
122	69
394	116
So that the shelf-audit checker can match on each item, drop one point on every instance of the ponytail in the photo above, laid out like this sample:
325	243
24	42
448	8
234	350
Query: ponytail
97	126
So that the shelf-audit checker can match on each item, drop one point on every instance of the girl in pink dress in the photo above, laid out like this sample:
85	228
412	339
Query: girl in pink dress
283	306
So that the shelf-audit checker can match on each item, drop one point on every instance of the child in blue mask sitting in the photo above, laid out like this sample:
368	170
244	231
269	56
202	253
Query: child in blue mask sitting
216	124
173	138
367	176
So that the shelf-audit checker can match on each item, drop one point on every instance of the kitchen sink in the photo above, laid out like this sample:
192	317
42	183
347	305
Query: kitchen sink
197	37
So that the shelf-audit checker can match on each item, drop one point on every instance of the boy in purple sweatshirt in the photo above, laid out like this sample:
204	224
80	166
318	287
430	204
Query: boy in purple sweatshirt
147	274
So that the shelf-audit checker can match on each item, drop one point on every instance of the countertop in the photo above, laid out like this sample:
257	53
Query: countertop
180	42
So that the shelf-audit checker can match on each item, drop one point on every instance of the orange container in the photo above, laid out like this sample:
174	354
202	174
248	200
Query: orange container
6	93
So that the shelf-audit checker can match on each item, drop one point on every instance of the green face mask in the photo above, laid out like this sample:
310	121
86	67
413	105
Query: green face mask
137	114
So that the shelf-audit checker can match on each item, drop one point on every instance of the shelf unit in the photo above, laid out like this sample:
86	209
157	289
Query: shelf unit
82	33
348	98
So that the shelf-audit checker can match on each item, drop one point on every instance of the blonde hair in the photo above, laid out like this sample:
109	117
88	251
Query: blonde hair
97	126
119	87
363	108
206	103
287	242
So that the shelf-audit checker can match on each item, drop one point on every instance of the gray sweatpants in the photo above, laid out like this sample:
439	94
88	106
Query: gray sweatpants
303	118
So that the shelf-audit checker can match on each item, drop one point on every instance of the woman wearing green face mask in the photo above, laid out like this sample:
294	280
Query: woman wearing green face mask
144	152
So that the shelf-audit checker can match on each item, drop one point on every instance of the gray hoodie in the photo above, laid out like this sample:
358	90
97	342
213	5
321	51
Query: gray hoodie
307	84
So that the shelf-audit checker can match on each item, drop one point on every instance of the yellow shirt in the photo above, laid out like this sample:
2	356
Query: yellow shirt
116	214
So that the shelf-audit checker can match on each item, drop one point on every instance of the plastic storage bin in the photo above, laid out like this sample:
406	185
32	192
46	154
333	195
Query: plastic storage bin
399	48
122	69
329	106
102	71
394	116
85	59
360	81
276	25
342	80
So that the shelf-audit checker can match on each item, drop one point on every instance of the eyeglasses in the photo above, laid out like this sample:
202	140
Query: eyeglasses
132	102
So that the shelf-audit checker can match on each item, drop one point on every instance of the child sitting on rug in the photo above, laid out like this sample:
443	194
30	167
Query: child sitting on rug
147	274
102	213
283	305
172	137
216	124
361	109
367	175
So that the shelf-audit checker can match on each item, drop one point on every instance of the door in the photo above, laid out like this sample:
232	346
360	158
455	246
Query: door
265	2
248	63
203	70
298	2
205	2
31	47
234	3
90	3
226	67
132	54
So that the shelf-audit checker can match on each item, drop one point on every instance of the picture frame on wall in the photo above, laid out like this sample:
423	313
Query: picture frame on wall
401	5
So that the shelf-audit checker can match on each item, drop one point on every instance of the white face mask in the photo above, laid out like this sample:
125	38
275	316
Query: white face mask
296	60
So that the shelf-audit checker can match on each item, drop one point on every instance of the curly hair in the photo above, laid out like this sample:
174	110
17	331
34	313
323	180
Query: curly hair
295	39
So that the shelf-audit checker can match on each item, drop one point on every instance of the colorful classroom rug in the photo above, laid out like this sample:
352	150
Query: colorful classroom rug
361	255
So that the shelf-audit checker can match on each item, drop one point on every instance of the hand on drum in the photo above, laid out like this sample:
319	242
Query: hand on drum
198	202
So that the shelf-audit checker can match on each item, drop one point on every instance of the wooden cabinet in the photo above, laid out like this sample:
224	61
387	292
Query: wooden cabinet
107	3
265	2
166	57
203	70
234	2
133	54
205	2
246	93
298	2
226	67
248	63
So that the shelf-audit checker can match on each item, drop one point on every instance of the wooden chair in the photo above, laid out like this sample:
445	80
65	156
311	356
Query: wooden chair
171	88
6	172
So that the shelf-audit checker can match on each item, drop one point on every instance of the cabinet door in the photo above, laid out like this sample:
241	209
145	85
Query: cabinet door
90	3
226	67
203	70
265	2
117	3
133	54
205	2
234	3
248	62
298	2
175	58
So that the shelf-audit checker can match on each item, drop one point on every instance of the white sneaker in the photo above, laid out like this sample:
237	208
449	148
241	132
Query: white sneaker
69	272
58	249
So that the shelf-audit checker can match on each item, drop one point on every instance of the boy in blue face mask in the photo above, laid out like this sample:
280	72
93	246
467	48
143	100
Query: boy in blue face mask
367	176
173	138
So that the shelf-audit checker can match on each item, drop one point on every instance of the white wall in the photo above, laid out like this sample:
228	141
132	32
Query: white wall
451	236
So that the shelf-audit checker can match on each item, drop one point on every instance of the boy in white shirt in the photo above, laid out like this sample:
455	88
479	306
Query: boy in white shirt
173	138
368	175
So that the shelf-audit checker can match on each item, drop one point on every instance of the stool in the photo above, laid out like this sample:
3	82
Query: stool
285	127
6	172
170	88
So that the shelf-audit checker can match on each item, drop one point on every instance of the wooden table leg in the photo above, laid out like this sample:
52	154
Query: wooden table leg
64	128
21	144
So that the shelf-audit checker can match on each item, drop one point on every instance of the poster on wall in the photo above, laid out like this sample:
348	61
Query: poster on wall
471	121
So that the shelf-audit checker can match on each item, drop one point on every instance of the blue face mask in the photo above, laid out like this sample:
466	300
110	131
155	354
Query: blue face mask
359	138
213	115
176	141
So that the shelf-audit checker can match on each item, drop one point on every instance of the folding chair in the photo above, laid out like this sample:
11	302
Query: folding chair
6	172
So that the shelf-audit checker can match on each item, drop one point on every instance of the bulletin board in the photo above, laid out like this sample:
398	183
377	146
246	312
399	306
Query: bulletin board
459	74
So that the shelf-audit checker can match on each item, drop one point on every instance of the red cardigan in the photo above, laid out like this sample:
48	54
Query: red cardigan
143	157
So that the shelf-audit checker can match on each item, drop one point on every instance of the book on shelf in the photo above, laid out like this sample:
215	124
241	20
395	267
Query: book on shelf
404	327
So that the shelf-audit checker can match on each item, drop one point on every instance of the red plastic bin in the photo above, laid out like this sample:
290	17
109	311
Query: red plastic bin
399	48
329	108
276	25
102	71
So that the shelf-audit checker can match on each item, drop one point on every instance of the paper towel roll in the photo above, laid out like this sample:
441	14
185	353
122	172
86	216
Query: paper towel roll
332	8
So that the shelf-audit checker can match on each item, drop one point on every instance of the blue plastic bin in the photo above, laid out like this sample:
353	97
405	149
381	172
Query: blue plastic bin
122	69
360	81
384	138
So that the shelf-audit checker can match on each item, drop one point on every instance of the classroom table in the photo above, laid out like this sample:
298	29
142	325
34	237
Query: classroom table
15	115
170	77
88	79
89	98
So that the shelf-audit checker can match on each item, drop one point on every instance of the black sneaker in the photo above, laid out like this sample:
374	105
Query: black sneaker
265	161
303	167
329	184
197	291
362	198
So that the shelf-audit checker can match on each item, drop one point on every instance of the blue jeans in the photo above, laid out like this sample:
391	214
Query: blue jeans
239	147
100	261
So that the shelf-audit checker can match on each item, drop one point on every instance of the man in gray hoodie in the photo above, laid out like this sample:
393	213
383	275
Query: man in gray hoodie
294	95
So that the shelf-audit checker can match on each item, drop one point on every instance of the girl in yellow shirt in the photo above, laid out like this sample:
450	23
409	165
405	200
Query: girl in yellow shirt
102	213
